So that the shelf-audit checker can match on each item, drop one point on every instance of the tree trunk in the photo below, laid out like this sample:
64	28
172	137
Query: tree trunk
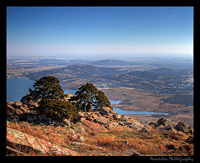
85	107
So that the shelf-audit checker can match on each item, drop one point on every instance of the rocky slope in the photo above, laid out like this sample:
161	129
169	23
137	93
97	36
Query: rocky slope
97	133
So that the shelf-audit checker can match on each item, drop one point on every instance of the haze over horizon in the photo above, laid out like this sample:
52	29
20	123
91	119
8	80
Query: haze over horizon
82	32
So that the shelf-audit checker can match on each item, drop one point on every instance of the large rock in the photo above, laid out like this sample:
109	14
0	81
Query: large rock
124	118
101	120
112	125
29	101
13	113
67	122
145	129
81	114
182	126
80	129
18	104
106	111
44	147
154	125
116	116
10	109
131	152
165	122
81	139
135	125
168	131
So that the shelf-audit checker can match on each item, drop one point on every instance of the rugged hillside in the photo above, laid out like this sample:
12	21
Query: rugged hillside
159	80
96	133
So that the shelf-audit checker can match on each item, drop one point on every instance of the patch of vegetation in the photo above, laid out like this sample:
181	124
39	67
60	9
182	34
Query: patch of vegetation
52	105
89	96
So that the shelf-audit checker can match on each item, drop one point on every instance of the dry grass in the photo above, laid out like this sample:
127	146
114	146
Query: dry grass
105	141
112	142
48	133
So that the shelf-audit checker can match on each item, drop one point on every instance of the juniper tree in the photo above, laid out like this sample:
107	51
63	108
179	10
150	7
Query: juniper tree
47	86
87	96
102	100
52	105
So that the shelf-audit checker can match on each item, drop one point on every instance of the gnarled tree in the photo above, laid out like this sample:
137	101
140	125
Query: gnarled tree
52	105
87	96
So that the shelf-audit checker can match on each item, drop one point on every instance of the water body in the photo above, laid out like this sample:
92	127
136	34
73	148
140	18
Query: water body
17	88
123	112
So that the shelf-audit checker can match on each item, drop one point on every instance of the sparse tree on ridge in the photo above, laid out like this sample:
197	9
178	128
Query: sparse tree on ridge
52	105
88	95
102	100
47	86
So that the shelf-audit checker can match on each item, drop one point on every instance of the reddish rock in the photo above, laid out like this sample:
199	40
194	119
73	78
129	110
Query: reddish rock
95	115
106	111
19	111
131	152
10	109
101	120
24	109
18	104
112	125
162	148
45	147
25	106
90	118
10	103
116	116
81	114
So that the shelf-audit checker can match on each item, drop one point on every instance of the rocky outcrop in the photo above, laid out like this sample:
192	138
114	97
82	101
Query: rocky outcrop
165	122
29	101
154	125
108	120
182	126
16	138
15	110
168	128
90	124
106	111
131	152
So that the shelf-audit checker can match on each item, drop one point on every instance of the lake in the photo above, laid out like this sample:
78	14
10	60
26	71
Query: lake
17	88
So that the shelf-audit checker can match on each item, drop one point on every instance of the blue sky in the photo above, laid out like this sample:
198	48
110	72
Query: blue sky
90	31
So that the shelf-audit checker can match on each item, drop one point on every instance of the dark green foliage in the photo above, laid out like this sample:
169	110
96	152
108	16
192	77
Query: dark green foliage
87	96
48	86
57	109
52	105
102	100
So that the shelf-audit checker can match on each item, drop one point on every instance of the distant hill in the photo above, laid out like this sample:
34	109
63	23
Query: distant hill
162	80
111	62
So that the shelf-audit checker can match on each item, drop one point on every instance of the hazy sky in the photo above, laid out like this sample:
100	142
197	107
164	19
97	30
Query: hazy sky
48	31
